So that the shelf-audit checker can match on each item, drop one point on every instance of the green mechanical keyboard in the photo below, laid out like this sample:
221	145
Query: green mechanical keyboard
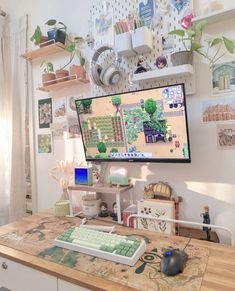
118	248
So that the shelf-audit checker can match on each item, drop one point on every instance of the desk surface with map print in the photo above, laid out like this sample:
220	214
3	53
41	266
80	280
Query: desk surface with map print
30	241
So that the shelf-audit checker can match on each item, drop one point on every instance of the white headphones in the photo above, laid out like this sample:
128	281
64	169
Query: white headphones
107	76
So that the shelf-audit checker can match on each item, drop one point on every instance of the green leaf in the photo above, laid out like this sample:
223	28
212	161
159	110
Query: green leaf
179	32
51	22
36	37
70	48
50	67
199	26
61	23
196	46
215	41
229	44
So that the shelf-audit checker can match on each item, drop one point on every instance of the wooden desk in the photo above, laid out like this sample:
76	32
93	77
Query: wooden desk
219	274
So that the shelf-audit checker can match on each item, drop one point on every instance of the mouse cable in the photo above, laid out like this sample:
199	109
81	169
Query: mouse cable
187	243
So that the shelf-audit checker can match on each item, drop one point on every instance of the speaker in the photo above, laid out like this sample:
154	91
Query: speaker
108	75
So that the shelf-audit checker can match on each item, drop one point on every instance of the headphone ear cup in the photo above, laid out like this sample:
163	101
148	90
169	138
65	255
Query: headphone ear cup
95	74
111	75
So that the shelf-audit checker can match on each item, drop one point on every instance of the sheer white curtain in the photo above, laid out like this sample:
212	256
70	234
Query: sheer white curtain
12	119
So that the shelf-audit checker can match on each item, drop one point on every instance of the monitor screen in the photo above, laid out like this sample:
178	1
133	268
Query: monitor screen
146	125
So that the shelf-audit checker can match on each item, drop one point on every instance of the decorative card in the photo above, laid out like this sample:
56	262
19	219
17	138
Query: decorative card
156	208
226	136
45	112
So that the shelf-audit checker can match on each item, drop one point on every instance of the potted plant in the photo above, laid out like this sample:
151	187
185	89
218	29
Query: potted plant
38	38
191	38
48	77
57	31
74	48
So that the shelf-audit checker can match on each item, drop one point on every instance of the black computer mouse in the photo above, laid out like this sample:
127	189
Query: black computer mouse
173	262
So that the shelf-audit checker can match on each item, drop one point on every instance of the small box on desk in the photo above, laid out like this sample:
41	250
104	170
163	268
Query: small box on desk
83	176
132	209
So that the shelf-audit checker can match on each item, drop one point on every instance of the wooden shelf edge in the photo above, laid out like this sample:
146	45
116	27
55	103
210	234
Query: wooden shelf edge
64	84
183	70
43	51
215	16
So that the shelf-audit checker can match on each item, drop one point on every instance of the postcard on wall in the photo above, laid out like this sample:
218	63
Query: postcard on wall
58	129
146	11
71	107
73	127
223	78
59	109
103	25
45	112
218	109
226	136
44	142
156	208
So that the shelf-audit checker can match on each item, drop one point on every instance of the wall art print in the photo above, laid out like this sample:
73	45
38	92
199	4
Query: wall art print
45	112
223	78
226	136
44	142
218	109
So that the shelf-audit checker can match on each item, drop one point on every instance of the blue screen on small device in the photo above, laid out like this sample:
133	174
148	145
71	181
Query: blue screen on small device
81	176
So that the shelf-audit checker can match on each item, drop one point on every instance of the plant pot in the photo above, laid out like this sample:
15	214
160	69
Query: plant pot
79	71
182	58
57	34
48	79
62	75
44	41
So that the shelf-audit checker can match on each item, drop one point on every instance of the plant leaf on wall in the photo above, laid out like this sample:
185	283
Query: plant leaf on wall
229	44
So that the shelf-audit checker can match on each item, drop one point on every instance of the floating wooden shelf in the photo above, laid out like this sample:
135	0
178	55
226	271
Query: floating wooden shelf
44	51
177	71
61	85
216	16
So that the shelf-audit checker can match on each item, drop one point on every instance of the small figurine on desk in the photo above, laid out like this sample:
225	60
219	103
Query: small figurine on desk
103	210
114	213
206	220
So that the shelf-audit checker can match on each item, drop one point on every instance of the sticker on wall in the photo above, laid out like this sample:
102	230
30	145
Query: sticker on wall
223	78
71	107
45	112
226	136
44	142
218	109
179	4
146	11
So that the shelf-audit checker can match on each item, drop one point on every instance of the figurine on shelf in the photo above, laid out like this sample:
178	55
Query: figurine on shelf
206	220
114	212
142	65
161	62
103	210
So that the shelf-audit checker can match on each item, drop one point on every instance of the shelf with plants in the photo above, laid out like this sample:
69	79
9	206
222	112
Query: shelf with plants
45	50
177	71
216	16
61	83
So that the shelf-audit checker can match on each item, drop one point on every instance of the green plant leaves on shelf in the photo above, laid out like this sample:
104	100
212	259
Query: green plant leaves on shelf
196	46
229	44
178	32
51	22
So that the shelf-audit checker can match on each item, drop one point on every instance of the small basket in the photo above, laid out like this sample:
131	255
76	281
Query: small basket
182	58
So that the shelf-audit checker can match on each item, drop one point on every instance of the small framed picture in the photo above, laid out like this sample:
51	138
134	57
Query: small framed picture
226	136
45	112
223	78
44	142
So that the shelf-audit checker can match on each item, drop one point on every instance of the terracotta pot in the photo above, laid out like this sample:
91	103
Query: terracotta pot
62	74
48	79
79	71
43	40
182	58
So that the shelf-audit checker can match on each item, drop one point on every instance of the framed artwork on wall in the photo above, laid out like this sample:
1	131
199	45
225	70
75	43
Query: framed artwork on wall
45	112
223	78
226	136
44	143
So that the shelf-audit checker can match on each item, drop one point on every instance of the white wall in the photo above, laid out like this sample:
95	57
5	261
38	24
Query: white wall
208	180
